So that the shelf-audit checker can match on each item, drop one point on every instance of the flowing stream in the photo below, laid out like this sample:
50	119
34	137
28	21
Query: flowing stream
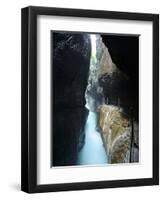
93	151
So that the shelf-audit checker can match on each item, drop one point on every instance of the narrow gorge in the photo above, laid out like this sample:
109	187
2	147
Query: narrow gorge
95	102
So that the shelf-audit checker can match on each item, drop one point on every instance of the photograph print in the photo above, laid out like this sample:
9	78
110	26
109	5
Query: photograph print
94	99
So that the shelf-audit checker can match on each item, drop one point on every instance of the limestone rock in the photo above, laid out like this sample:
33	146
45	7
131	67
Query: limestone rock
115	129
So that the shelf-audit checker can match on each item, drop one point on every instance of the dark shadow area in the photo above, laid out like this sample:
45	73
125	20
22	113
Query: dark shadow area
71	59
124	51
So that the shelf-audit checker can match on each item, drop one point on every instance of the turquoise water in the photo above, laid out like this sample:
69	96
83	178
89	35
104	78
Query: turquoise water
93	151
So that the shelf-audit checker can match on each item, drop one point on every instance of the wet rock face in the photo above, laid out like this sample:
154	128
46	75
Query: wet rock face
120	87
107	83
71	59
124	51
113	81
94	93
113	92
101	65
116	129
68	136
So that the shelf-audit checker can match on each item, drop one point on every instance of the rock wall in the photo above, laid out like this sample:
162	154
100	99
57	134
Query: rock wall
116	129
106	83
94	93
124	51
112	92
71	60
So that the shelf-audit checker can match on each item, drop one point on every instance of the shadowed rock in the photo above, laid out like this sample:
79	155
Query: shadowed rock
71	59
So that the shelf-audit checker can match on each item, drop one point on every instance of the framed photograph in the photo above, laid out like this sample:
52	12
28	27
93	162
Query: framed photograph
90	99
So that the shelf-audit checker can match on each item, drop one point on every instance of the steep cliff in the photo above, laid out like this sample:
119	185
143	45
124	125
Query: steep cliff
119	81
116	128
112	93
71	60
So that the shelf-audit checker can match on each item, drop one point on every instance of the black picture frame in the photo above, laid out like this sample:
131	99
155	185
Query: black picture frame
29	99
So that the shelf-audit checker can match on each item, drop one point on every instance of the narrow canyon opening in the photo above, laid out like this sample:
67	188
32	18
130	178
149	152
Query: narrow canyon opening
95	104
93	151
